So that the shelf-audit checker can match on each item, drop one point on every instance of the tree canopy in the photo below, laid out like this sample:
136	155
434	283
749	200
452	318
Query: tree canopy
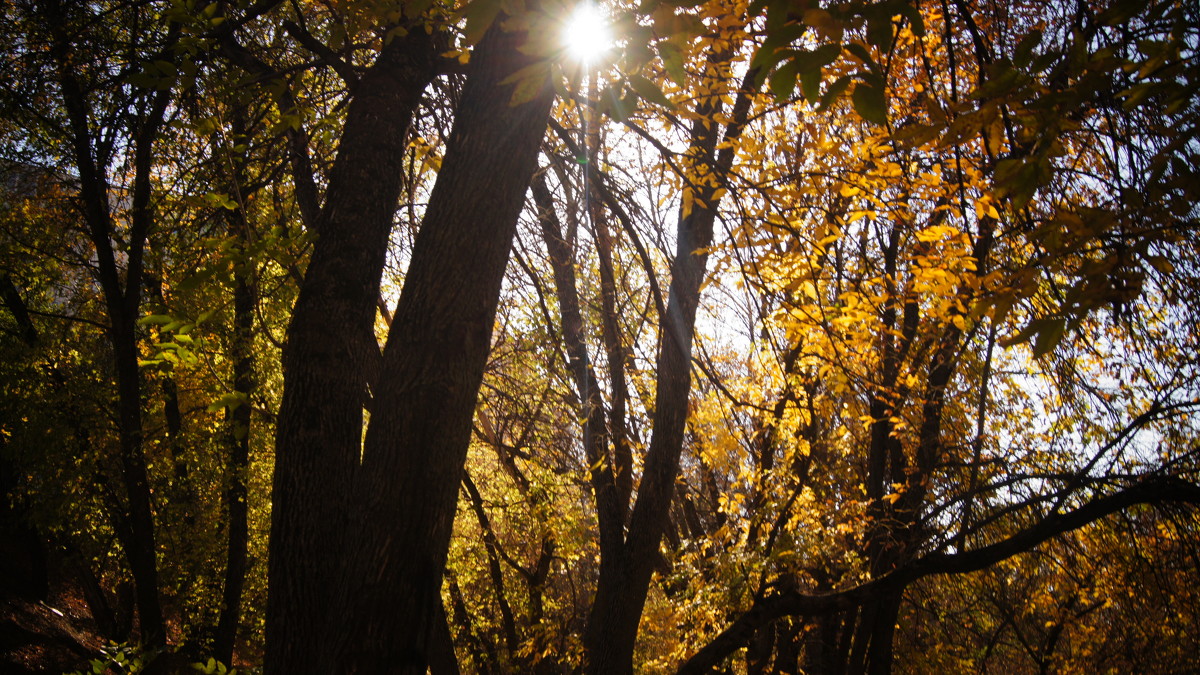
776	336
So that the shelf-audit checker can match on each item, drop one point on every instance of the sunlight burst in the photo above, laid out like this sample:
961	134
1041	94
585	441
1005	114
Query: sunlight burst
586	34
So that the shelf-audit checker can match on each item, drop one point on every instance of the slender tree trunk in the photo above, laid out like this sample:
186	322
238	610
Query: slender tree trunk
238	421
495	571
610	513
122	290
93	594
624	583
141	549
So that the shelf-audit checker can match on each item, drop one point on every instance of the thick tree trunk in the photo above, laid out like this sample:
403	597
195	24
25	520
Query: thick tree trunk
331	345
407	487
871	653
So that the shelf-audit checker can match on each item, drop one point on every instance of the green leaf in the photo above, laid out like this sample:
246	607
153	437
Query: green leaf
916	135
1018	181
783	81
617	104
232	400
196	280
650	91
834	90
1119	13
530	86
810	84
480	16
879	30
1001	81
822	56
672	58
1002	306
775	45
916	22
765	59
1049	334
1045	332
1024	51
870	103
860	52
417	7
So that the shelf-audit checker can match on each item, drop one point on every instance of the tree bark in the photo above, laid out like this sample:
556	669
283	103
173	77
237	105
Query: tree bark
122	290
610	513
406	489
331	345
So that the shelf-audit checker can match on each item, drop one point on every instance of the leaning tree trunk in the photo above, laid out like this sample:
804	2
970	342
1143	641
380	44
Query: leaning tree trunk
331	347
626	573
407	487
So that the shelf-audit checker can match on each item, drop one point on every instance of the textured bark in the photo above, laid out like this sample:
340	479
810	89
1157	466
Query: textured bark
442	659
610	333
622	587
331	344
610	326
406	490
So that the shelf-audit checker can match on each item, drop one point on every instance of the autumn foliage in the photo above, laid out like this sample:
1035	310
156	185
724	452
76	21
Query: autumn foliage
785	336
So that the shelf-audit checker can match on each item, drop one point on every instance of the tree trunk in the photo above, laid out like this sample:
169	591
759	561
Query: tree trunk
610	512
407	488
331	344
624	583
871	653
237	419
122	292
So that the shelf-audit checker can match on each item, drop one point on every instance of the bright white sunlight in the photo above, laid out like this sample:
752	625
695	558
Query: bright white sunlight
586	34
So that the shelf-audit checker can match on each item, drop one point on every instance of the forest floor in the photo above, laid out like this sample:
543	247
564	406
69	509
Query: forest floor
52	636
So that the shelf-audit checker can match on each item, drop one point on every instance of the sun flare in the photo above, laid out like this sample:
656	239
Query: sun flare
586	34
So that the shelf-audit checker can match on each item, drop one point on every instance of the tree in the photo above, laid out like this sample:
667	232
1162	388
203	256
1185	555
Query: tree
97	123
319	483
821	320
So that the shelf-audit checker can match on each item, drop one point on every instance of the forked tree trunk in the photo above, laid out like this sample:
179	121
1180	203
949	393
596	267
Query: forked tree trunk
406	490
625	577
331	344
121	287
